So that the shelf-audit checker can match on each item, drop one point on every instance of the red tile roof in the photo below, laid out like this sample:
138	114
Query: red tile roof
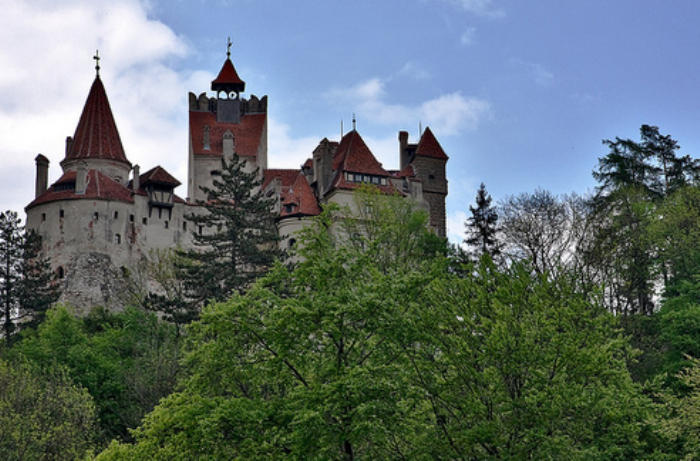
406	172
428	146
99	186
353	155
158	175
228	79
301	197
287	177
247	134
96	135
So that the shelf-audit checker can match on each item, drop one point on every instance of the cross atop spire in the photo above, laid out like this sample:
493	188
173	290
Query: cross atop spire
97	62
228	47
354	122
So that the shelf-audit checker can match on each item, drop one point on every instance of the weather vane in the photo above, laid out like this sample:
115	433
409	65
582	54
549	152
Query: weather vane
353	121
228	48
97	61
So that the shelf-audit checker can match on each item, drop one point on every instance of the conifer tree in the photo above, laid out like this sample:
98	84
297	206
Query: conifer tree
481	226
27	286
235	236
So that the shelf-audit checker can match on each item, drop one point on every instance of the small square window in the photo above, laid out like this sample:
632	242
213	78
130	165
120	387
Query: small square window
144	221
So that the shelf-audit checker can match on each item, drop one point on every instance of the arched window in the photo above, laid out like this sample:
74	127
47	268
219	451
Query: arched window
117	239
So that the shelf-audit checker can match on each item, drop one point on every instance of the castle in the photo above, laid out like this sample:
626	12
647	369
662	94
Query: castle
104	215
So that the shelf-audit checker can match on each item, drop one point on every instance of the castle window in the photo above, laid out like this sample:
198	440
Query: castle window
144	221
116	214
96	216
61	214
117	239
60	272
383	182
184	225
288	208
292	242
131	218
375	179
166	224
205	138
215	173
43	217
200	230
431	176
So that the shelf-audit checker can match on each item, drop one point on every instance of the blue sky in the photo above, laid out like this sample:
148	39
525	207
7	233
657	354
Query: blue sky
519	93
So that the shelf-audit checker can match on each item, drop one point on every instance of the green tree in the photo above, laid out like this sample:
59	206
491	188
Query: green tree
481	227
238	238
309	363
27	284
126	361
43	415
519	366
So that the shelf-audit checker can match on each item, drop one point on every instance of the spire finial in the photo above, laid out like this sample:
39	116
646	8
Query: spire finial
353	121
97	62
228	47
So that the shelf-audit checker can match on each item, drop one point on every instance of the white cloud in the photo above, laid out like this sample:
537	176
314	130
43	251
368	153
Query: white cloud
467	37
484	8
414	71
455	227
539	74
45	53
447	114
284	150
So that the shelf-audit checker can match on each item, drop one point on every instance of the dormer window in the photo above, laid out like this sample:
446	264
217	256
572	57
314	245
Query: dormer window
289	207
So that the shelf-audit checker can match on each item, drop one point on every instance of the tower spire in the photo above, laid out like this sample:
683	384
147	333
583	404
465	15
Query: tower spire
228	47
354	122
97	62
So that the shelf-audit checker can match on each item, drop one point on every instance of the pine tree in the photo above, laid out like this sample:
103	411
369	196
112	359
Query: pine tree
236	236
27	286
481	226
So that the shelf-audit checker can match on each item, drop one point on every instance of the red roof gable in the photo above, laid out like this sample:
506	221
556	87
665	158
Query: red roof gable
228	79
286	177
353	155
301	198
99	186
158	175
247	134
428	146
96	135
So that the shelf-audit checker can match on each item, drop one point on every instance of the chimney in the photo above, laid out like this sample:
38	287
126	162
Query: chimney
136	182
42	174
81	178
228	145
322	159
403	152
69	142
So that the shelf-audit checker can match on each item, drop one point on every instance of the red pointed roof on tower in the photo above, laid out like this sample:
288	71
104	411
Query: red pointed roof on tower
354	156
428	146
96	136
228	79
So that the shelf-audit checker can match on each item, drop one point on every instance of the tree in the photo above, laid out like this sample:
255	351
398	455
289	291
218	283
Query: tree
545	230
517	365
238	241
308	363
27	283
127	361
481	227
43	414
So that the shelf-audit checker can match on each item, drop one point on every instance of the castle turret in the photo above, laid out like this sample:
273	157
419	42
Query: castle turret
228	109
429	161
96	140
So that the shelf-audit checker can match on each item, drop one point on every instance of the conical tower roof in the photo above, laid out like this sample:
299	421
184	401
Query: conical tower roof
96	136
228	79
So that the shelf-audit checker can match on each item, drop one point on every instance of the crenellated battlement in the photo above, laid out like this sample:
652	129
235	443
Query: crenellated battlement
204	103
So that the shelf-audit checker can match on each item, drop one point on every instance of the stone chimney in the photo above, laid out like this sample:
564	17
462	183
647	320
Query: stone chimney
42	174
403	152
323	162
136	182
228	145
81	178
